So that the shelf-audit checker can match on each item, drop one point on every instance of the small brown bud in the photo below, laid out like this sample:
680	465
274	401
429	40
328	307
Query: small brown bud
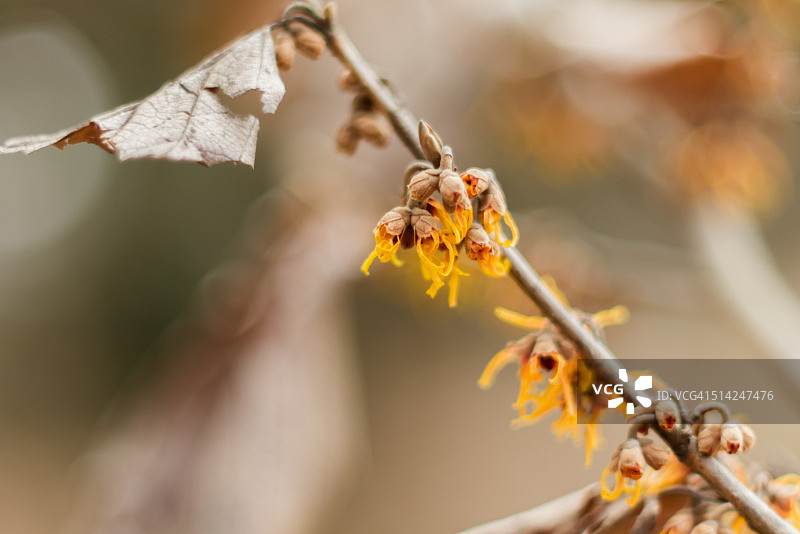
423	185
369	127
709	526
309	43
285	50
681	522
782	496
453	191
735	436
667	414
431	144
394	222
731	438
424	223
348	81
478	245
631	459
708	438
347	139
749	437
655	455
476	181
493	198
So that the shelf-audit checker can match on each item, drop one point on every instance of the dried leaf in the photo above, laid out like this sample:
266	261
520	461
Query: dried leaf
185	119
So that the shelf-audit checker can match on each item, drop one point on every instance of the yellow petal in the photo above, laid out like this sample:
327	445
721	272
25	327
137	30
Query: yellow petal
368	262
635	493
495	365
605	492
592	440
615	316
513	227
517	319
551	284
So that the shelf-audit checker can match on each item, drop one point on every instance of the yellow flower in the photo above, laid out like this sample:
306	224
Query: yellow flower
621	485
388	234
485	252
545	351
491	222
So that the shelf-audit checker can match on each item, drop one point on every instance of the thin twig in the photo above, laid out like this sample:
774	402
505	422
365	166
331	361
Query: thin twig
604	363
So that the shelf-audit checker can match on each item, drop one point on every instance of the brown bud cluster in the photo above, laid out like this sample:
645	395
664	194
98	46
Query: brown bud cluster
407	224
634	454
364	124
285	50
289	41
443	179
731	437
309	43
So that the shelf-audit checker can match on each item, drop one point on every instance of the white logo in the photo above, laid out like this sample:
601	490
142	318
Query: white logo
642	383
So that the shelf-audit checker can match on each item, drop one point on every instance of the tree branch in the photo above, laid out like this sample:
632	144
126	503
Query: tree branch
604	363
548	517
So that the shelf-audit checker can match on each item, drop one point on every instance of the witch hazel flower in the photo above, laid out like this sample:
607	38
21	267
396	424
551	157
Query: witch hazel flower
441	230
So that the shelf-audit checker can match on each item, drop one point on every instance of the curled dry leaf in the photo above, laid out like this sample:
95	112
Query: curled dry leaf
185	119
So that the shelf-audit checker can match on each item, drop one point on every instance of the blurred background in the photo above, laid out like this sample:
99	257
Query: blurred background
195	350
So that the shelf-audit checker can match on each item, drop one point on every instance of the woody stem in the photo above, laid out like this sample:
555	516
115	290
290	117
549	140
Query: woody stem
605	364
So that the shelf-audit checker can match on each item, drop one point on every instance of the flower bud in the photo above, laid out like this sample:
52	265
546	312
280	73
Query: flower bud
284	50
369	127
681	522
309	43
731	438
709	526
394	222
708	438
735	436
453	191
478	245
667	414
347	139
493	199
348	81
631	459
423	185
476	181
655	454
424	224
431	144
782	496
